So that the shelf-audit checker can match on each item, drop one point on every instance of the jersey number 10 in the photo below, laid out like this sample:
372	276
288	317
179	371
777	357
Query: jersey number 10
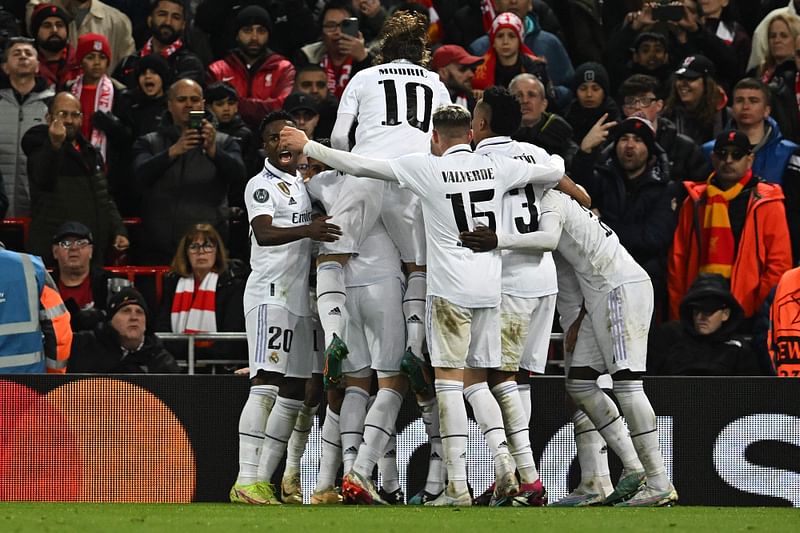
390	91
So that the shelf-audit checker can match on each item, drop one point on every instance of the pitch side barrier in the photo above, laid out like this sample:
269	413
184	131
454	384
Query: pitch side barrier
159	438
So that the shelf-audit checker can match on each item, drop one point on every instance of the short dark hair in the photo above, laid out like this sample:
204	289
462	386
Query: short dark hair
154	5
452	120
755	84
343	5
640	84
505	113
309	67
271	117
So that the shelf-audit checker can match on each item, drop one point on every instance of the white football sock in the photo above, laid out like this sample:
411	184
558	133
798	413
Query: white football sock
489	418
414	311
331	451
331	299
378	428
517	431
592	456
453	425
351	424
252	422
299	438
644	433
434	483
279	428
524	390
387	466
604	414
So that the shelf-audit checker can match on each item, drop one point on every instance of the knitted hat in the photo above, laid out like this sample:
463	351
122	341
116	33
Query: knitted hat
252	15
126	296
45	11
709	292
641	128
92	42
221	91
507	20
592	72
157	64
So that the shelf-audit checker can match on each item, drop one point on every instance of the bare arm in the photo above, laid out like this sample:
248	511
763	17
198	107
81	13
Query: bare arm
544	239
268	235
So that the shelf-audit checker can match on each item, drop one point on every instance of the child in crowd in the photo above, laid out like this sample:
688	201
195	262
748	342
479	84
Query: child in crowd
592	100
149	96
223	101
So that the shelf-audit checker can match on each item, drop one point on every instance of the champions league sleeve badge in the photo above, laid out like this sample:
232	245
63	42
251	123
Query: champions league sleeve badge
261	195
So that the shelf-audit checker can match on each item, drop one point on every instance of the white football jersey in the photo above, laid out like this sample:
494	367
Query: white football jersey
458	191
393	104
601	263
378	258
527	274
279	273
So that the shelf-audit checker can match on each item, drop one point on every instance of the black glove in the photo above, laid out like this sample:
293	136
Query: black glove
107	122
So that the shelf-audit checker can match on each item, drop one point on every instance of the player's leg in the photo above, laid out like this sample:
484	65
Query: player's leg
390	490
291	489
434	482
630	310
325	491
252	421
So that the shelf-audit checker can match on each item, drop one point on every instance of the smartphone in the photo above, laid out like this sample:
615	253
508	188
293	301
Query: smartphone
668	12
196	119
350	27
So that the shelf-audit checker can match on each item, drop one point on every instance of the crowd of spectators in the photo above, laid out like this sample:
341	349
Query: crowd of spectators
681	121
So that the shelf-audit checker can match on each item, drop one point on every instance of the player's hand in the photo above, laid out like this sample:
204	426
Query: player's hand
598	134
322	230
189	139
57	132
209	135
293	139
121	242
353	46
481	239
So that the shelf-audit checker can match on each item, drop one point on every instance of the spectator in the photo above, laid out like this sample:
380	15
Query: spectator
224	105
184	174
782	32
23	101
760	46
785	95
784	333
696	104
371	16
508	56
750	115
204	290
340	55
123	343
262	78
57	63
148	96
312	80
93	16
456	68
68	182
722	39
704	341
167	24
542	43
631	196
648	52
36	335
539	127
592	102
83	286
304	111
745	220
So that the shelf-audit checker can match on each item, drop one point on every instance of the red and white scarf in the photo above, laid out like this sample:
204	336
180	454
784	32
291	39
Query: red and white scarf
167	51
103	101
195	310
337	78
488	14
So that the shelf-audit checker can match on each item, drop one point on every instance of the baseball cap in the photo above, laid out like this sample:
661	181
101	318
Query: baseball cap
734	138
452	53
73	229
300	101
694	67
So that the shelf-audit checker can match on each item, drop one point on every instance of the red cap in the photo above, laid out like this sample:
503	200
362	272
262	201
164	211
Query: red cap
452	53
92	42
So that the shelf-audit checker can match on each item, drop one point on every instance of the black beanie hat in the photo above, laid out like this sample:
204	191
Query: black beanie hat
639	127
126	296
156	63
44	11
592	72
250	15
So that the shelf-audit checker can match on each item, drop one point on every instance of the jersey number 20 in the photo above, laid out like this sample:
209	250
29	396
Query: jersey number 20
411	87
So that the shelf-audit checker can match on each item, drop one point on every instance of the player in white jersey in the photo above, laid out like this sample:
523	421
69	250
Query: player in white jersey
277	313
618	298
392	103
529	290
459	190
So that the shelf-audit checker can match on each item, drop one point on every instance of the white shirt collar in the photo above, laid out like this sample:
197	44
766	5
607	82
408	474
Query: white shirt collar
457	148
272	170
493	141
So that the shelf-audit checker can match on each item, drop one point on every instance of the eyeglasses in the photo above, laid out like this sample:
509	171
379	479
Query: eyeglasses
62	115
205	247
642	101
77	243
330	27
736	154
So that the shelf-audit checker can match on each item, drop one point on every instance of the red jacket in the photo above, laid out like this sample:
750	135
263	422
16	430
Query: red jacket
262	89
764	252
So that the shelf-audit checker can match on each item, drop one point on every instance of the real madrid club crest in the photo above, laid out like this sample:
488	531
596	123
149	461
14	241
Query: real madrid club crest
260	195
284	189
274	357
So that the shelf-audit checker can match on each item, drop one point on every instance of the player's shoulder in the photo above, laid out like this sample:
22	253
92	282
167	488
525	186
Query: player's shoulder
555	200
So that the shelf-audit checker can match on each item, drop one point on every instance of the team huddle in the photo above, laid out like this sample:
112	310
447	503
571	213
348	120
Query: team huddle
437	220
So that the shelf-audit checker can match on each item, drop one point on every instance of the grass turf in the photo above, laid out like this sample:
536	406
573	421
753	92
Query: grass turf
119	518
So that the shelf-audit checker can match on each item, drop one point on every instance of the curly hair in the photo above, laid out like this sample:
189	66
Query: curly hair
505	114
404	36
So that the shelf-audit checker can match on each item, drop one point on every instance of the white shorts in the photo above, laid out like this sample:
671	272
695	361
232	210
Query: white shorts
278	341
525	332
359	205
460	337
613	334
375	330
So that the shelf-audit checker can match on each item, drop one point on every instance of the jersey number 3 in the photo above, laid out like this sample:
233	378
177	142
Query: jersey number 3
411	90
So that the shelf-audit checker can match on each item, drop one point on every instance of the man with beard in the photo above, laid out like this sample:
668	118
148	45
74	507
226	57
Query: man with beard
456	68
57	63
167	24
262	78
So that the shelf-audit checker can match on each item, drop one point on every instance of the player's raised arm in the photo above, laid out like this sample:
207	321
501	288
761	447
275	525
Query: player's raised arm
567	186
353	164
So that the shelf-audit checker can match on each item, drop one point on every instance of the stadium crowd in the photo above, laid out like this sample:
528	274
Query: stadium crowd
131	132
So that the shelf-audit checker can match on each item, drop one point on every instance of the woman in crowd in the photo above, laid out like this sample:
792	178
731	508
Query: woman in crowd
782	32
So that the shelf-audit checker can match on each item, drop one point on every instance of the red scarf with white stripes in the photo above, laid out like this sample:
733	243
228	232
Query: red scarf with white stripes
337	77
194	310
167	51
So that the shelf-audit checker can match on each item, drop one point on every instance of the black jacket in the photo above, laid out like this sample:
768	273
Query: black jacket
99	352
88	319
183	63
552	133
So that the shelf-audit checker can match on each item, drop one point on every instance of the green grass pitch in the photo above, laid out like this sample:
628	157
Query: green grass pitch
198	517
